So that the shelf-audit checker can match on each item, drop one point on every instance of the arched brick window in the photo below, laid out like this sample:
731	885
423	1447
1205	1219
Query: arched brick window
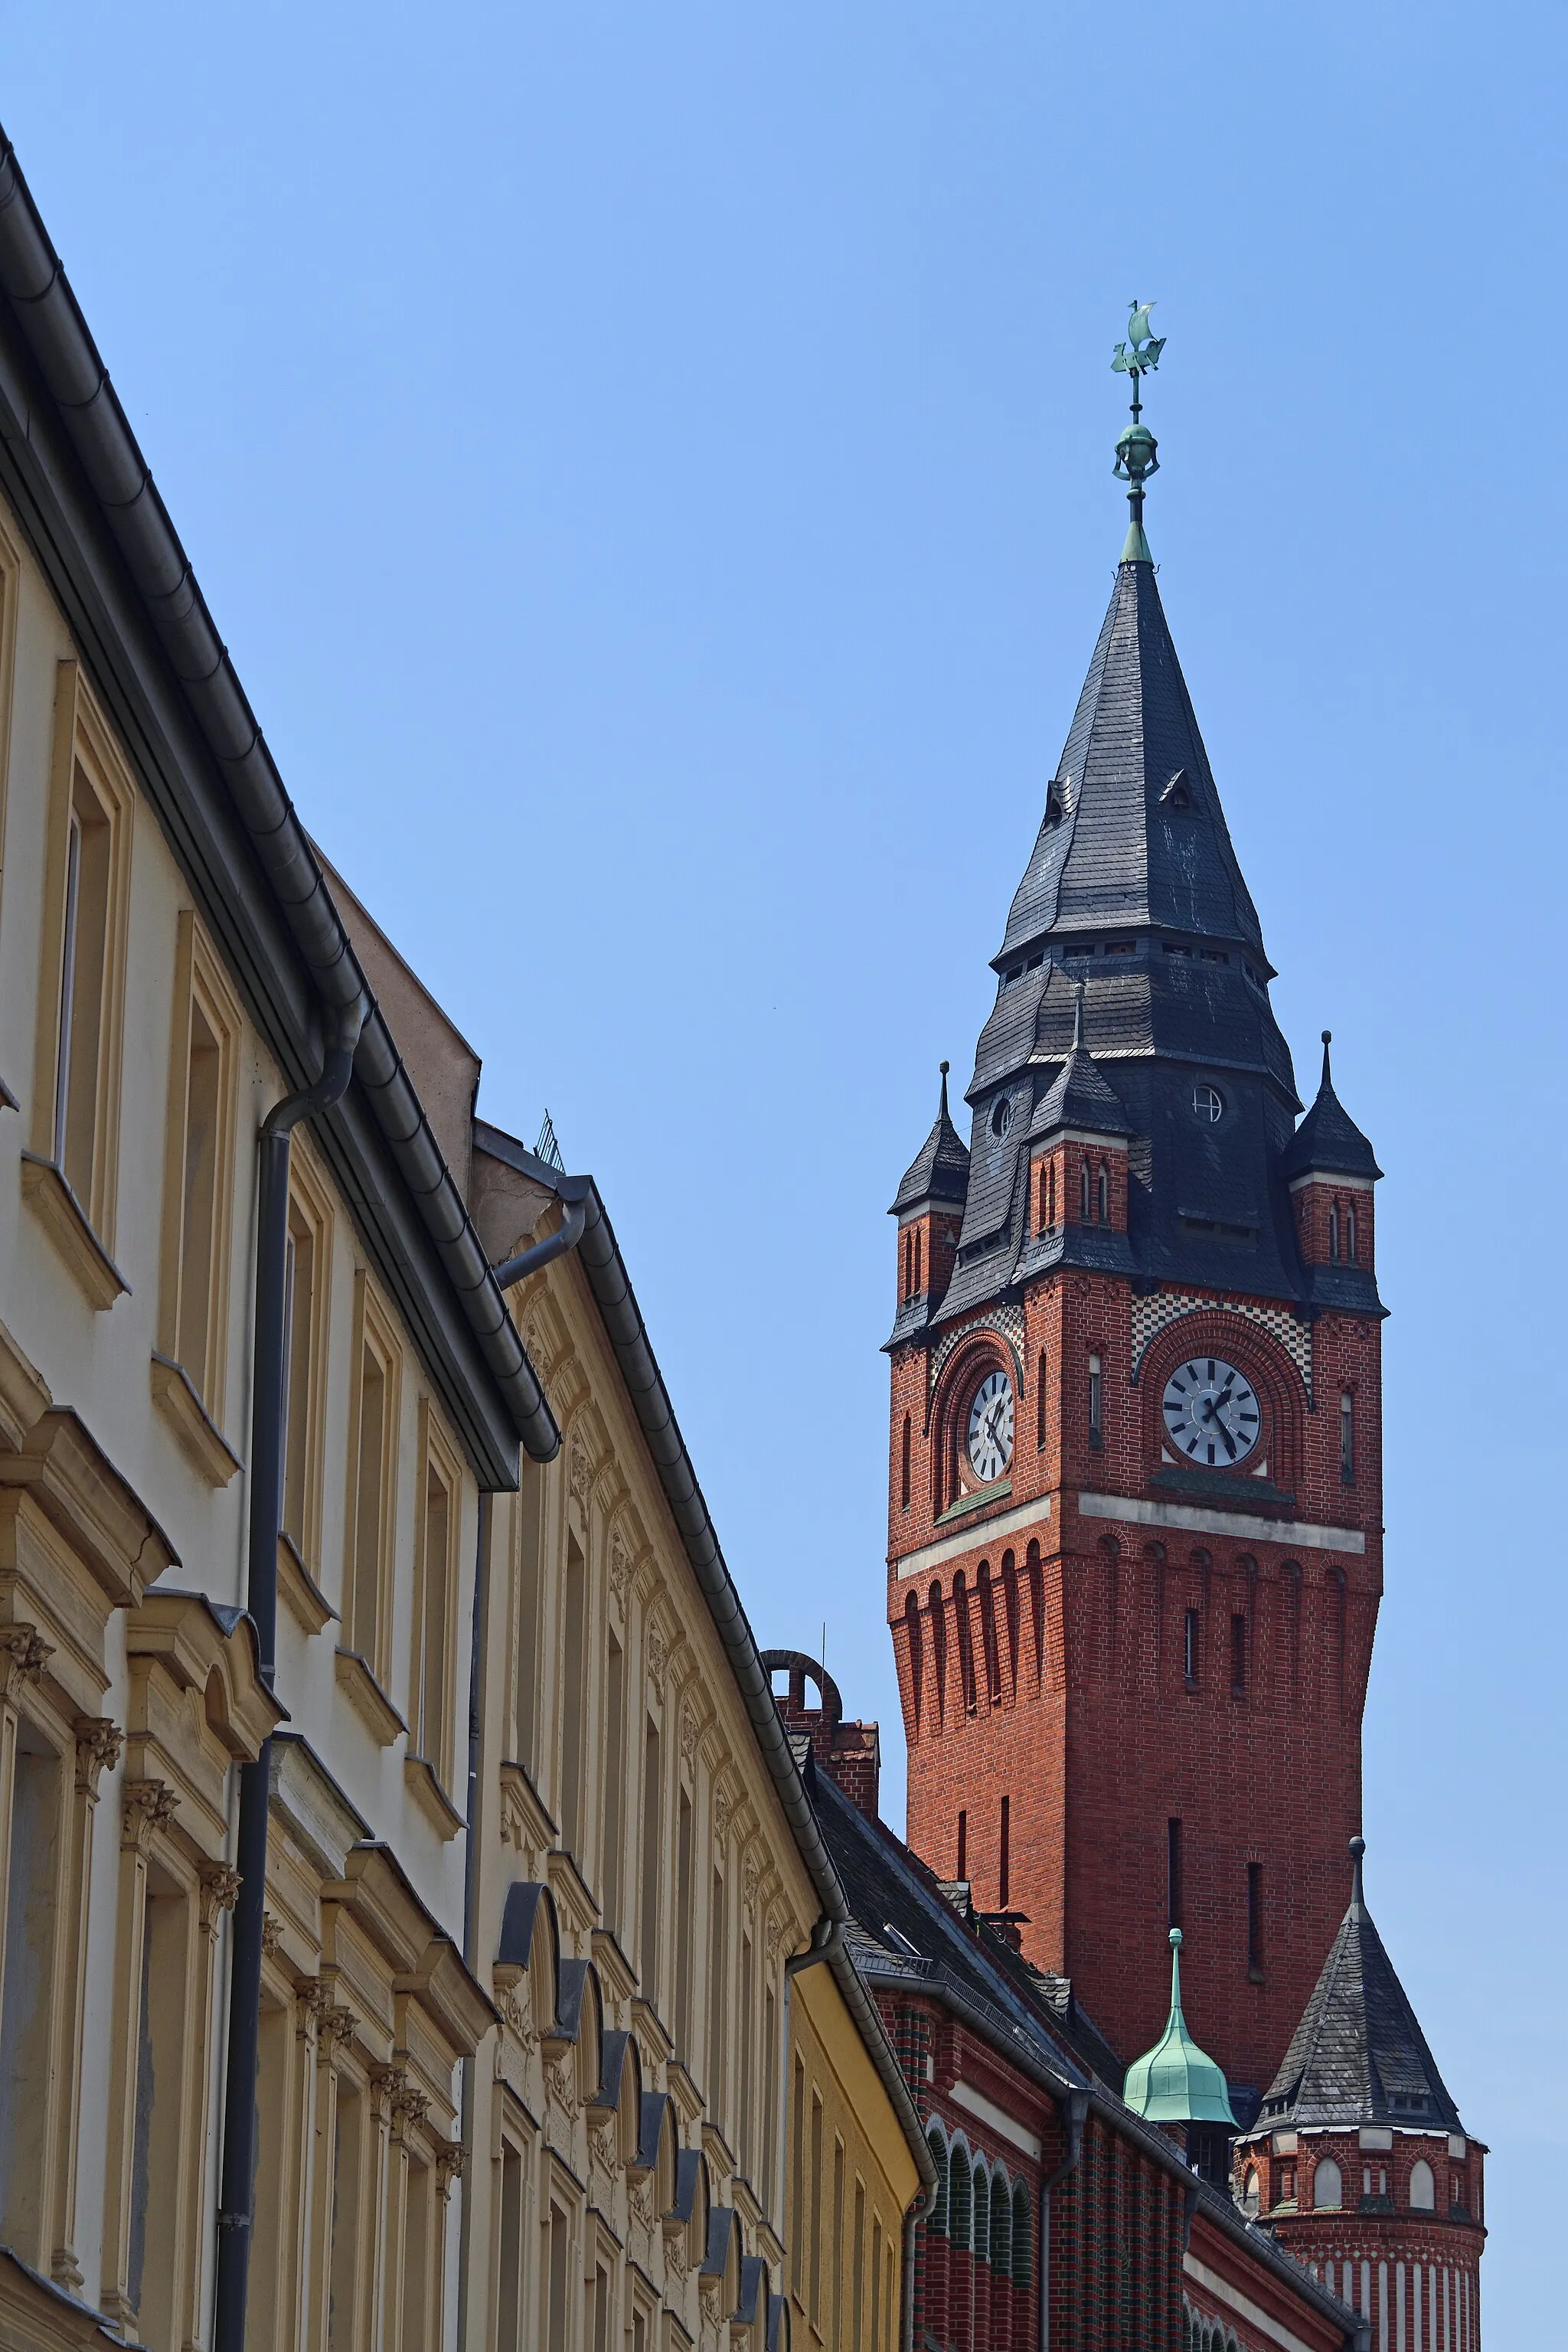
1423	2188
1102	1194
917	1662
1083	1191
1334	1231
939	1648
1328	2186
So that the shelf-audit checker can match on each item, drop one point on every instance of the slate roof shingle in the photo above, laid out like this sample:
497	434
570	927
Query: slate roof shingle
1358	2055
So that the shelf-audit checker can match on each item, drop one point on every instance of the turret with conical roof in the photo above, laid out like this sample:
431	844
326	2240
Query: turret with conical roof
1358	2161
929	1205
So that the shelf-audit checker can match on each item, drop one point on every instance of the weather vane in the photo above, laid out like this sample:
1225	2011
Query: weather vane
1136	452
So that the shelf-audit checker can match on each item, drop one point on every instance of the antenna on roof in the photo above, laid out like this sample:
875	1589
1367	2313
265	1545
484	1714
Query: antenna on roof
547	1149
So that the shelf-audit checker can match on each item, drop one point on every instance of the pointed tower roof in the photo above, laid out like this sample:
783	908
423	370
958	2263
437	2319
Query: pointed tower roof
1081	1096
940	1168
1328	1137
1177	2083
1358	2056
1133	830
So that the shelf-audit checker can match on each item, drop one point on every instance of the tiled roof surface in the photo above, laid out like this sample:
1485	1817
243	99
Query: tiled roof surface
1127	849
902	1920
1328	1138
1358	2055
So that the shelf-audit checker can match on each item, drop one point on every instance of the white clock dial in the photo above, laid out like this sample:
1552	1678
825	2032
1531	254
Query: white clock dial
991	1427
1212	1414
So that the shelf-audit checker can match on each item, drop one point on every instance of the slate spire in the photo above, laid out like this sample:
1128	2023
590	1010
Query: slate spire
1358	2055
1133	830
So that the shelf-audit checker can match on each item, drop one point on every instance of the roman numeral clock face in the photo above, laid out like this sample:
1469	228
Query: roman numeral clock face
991	1427
1211	1412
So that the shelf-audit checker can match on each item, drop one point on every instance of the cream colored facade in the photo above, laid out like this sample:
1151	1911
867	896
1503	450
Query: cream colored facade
129	1690
630	1830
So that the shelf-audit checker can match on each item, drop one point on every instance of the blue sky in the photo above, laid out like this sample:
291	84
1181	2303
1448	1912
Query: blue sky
652	468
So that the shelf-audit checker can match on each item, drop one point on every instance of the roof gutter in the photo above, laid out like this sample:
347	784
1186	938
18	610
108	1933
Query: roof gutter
47	311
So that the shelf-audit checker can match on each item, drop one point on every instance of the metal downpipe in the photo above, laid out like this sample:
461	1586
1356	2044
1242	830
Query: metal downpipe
237	2190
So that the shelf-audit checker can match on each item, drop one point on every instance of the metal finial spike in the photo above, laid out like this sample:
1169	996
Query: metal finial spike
1077	1044
943	1067
1327	1041
1136	453
1358	1891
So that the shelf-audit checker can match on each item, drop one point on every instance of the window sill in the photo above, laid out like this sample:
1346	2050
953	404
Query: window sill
978	1499
199	1435
423	1786
307	1602
367	1698
63	1218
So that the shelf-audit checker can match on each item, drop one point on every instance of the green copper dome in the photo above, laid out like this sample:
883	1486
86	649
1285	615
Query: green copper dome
1175	2083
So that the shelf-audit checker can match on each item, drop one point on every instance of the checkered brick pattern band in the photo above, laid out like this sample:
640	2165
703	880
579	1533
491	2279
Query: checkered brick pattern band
1153	1315
1007	1322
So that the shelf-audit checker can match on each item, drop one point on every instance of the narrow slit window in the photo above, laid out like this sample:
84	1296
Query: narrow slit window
1040	1401
1051	1195
299	1307
1334	1231
1102	1195
920	1277
1095	1401
431	1694
963	1870
1190	1646
1083	1186
1347	1437
904	1470
1351	1247
652	1856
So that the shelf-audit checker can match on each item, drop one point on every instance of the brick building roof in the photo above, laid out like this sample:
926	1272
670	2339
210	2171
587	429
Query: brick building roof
1358	2055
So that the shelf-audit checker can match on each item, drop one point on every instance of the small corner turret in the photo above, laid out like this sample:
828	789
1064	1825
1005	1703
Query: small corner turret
1331	1168
1359	2156
929	1206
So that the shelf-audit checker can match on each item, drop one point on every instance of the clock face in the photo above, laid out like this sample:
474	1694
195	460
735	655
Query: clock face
991	1427
1211	1412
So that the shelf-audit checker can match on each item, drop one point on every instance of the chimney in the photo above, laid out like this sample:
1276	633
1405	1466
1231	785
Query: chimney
851	1752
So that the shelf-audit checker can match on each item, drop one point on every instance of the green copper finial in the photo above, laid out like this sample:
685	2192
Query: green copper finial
1177	2083
1137	451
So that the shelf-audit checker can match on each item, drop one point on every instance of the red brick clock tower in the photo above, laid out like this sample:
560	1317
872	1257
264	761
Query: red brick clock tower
1135	1549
